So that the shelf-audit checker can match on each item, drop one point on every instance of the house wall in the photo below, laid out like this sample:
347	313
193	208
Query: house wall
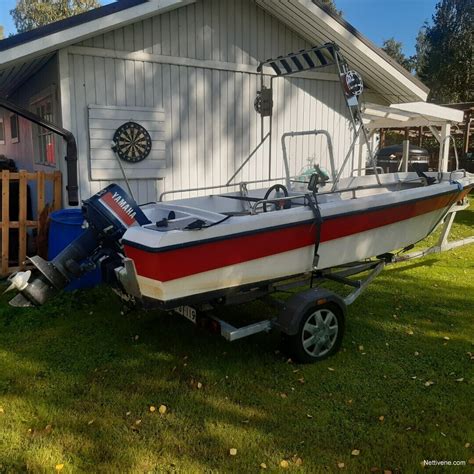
211	125
24	151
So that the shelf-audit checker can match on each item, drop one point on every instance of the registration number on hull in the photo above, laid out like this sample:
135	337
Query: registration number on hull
187	312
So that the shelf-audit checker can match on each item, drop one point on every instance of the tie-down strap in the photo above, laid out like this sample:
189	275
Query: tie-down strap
318	221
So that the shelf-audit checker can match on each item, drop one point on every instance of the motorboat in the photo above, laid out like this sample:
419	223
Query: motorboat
208	244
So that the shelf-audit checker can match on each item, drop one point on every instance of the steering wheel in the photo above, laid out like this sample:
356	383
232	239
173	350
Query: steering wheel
279	204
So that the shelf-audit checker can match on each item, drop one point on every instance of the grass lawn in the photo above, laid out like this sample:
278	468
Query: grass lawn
78	377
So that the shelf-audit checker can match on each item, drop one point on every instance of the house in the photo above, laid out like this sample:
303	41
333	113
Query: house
187	71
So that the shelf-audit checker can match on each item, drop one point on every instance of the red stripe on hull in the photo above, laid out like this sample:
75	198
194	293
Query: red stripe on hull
178	263
186	261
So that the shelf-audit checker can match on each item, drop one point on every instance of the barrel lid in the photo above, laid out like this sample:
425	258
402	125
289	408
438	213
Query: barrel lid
68	217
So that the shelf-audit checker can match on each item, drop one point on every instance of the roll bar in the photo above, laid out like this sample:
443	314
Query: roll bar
71	147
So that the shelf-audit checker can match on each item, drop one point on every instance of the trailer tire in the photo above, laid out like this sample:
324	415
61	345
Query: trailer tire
319	335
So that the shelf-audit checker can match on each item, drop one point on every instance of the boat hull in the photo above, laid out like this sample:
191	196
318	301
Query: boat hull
280	251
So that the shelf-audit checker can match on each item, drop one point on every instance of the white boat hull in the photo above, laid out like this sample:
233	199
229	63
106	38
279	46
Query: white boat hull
348	249
244	250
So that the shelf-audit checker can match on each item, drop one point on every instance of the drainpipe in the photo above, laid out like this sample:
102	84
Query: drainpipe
71	147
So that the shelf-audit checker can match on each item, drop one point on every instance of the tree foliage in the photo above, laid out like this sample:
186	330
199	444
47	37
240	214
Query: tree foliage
329	5
394	49
444	59
30	14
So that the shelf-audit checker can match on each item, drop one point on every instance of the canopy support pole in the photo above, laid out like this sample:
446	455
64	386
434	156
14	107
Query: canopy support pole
444	147
406	155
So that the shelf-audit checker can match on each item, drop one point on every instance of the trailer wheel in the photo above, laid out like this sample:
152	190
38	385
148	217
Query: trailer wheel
319	334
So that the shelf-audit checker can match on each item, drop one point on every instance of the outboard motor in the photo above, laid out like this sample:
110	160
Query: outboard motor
108	214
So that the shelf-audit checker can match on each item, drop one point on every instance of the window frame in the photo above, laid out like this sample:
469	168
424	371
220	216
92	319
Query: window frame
38	131
2	127
15	139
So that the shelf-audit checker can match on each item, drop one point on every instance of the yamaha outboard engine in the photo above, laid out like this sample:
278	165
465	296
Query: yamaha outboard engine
108	214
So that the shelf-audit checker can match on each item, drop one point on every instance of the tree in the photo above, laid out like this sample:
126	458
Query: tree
329	5
419	60
394	49
30	14
445	52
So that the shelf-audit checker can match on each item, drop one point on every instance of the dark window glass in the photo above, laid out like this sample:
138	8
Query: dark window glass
14	129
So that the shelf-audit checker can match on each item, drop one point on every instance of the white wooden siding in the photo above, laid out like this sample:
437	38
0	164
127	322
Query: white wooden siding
211	123
236	31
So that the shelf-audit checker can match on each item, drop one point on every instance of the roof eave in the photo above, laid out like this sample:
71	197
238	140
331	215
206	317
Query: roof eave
63	38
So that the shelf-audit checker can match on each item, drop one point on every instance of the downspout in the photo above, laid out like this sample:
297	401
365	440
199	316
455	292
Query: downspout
71	147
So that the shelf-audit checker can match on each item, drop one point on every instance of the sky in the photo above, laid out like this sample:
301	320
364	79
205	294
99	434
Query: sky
381	19
5	18
375	19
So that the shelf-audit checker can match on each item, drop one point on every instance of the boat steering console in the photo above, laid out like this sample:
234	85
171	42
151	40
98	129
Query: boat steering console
283	204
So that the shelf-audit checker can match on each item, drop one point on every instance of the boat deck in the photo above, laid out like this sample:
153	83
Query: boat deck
180	214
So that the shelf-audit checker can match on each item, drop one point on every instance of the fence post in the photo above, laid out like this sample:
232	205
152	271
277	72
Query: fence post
5	219
23	224
22	215
57	204
40	191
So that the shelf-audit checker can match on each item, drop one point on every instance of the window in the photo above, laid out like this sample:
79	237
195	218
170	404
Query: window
2	132
44	138
14	128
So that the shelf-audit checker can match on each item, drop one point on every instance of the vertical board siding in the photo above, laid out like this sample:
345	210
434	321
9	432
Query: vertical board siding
225	30
211	125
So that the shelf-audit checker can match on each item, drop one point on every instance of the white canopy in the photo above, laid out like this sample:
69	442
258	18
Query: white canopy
411	114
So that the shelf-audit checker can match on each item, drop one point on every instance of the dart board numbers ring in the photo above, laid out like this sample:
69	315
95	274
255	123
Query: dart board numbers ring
132	142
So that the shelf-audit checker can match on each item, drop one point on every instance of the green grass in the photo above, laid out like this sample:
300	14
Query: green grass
77	374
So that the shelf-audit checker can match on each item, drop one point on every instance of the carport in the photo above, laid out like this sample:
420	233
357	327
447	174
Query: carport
439	120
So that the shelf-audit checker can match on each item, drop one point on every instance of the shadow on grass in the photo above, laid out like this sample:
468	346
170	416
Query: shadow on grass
91	373
466	217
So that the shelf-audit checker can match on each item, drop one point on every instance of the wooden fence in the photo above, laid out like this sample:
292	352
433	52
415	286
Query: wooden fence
16	194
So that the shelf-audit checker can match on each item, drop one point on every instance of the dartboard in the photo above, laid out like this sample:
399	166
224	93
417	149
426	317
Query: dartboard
132	142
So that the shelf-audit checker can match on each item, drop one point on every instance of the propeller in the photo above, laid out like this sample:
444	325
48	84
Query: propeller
19	281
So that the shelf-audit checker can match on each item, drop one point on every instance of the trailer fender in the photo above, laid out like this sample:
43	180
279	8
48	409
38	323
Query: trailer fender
297	306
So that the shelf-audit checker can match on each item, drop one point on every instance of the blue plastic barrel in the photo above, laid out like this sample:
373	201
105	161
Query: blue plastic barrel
65	226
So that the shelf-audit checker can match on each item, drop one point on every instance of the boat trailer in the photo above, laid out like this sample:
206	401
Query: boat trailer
311	321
